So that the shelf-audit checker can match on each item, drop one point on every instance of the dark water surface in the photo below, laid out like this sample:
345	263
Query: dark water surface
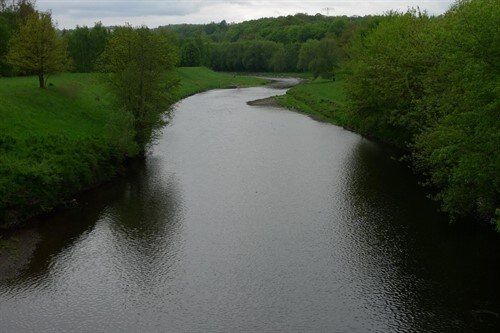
254	218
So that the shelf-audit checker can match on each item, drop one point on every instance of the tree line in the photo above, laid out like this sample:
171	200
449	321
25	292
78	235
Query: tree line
431	84
284	44
298	43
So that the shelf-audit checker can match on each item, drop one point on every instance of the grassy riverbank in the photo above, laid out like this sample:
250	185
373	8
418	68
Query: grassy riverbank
326	100
322	99
58	141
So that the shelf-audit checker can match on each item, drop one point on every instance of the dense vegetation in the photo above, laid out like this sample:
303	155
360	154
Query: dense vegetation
136	62
432	84
299	42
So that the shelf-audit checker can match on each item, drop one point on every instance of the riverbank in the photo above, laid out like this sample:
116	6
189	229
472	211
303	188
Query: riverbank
322	99
325	100
69	137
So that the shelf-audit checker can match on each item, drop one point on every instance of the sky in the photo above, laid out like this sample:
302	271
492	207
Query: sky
154	13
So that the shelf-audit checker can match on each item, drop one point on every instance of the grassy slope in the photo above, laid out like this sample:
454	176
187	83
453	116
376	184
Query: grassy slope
322	99
58	141
55	142
73	106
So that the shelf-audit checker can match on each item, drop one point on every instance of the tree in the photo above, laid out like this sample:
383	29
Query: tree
38	48
12	15
278	59
85	45
190	54
386	70
136	62
319	57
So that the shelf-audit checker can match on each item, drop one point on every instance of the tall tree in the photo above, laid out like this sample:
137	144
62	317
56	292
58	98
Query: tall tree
85	45
319	57
12	15
136	62
38	48
190	54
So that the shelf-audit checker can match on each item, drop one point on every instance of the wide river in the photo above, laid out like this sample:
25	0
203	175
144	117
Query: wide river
253	219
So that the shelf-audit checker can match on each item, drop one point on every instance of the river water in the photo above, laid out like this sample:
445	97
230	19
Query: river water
253	219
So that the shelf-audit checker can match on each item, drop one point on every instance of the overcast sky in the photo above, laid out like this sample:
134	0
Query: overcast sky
69	13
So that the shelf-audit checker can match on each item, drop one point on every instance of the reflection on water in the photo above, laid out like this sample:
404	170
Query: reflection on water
428	268
253	219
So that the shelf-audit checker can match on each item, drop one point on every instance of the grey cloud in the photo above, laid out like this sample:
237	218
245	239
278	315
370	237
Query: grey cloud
110	8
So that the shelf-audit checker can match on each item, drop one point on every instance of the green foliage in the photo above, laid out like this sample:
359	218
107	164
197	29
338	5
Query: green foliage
137	60
268	44
190	54
38	49
459	150
253	56
195	52
6	31
386	73
85	45
432	84
12	16
319	57
285	29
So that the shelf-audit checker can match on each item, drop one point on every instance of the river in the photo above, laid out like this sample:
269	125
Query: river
253	219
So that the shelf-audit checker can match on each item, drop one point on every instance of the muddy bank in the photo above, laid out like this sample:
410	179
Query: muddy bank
269	101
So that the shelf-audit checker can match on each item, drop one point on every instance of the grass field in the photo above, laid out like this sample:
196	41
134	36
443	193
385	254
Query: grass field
57	141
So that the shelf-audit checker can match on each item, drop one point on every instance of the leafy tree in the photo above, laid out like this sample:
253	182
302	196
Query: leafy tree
319	57
85	45
190	54
12	16
258	54
278	59
5	35
431	84
291	56
24	9
387	69
459	147
38	48
137	61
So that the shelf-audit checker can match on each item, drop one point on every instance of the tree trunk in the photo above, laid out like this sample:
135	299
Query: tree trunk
41	80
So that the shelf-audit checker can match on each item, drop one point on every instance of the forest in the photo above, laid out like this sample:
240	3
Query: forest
428	85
